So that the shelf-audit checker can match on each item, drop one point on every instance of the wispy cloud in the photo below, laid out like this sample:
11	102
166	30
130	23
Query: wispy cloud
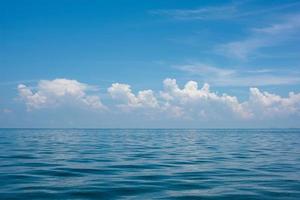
290	25
7	111
220	12
204	69
240	77
267	36
223	12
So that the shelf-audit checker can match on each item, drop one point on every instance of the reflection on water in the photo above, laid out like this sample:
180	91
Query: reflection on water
149	164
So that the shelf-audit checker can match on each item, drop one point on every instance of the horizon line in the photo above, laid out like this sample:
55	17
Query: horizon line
166	128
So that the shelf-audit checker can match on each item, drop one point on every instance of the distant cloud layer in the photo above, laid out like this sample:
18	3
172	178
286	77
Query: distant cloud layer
189	102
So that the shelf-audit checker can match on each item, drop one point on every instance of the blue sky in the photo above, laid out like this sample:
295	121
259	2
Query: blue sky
136	63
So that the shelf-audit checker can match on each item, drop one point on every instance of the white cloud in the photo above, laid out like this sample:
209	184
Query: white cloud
187	103
201	103
123	93
266	105
32	100
56	92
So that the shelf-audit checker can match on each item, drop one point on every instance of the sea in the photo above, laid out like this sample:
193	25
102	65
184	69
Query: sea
150	164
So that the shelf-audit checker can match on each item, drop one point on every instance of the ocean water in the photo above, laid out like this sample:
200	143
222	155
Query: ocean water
149	164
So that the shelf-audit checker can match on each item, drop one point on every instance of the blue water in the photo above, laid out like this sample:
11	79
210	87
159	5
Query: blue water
149	164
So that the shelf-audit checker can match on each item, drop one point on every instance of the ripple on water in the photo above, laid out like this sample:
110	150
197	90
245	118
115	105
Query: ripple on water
149	164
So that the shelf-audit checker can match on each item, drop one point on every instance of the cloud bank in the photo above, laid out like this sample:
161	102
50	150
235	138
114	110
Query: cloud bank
190	102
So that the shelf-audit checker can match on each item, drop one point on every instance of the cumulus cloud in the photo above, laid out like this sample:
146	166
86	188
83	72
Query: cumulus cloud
56	92
266	105
190	102
203	103
123	93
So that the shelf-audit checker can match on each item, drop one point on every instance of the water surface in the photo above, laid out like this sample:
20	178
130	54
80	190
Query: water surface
149	164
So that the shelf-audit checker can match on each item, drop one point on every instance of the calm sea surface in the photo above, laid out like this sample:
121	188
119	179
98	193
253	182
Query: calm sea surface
149	164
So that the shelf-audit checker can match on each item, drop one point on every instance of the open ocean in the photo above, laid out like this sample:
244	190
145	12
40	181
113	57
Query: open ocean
149	164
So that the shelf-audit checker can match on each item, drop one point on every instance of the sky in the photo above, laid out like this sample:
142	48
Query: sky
149	64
